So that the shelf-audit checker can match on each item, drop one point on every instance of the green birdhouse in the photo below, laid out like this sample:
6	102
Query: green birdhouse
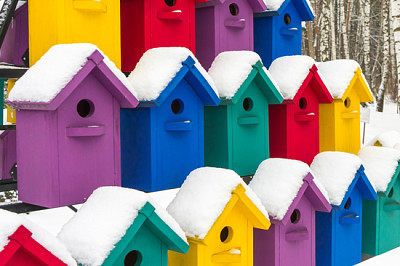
121	226
236	134
381	218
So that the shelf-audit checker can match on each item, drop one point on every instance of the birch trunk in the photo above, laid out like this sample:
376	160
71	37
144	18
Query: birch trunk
324	26
396	33
385	52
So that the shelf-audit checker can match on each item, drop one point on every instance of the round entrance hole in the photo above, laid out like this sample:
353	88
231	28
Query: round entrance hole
133	258
348	204
85	108
234	9
390	193
247	104
347	102
303	103
295	217
226	234
170	2
177	106
287	19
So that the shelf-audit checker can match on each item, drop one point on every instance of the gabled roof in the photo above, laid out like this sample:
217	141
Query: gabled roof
278	7
110	214
59	72
234	71
386	139
10	222
381	166
280	184
339	173
341	76
204	196
160	70
294	73
257	5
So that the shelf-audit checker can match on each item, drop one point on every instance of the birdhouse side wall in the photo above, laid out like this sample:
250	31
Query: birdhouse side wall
207	32
278	130
266	243
8	154
264	45
194	257
327	123
370	228
323	238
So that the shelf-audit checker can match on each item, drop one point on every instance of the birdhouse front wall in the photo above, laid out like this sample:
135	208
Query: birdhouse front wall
149	24
75	150
54	22
340	124
162	145
223	27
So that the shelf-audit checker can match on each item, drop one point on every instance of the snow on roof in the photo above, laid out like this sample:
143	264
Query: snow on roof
45	79
203	197
274	5
277	182
387	139
290	72
230	69
10	222
102	221
336	171
337	75
380	165
156	69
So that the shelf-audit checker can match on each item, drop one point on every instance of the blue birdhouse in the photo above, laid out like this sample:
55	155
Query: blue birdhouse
339	233
277	31
162	140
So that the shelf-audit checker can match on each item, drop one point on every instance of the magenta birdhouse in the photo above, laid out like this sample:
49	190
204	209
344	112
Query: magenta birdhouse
291	196
68	140
224	26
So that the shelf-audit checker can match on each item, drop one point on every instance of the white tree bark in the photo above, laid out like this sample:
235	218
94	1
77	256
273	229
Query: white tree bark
396	32
325	27
386	55
365	20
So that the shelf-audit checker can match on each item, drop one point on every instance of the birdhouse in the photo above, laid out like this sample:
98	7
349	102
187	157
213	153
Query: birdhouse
294	124
277	31
149	24
387	139
163	139
68	139
340	120
224	26
381	218
54	22
236	131
291	196
139	232
338	233
24	243
218	212
8	155
14	49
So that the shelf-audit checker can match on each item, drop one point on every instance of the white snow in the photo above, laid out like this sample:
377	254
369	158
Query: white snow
203	197
387	139
230	69
380	165
10	222
336	171
389	258
156	69
289	72
338	75
277	182
44	80
102	221
274	5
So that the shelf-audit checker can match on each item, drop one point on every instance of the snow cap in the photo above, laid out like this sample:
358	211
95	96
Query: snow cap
10	222
203	197
157	67
336	171
380	165
338	75
289	72
103	220
45	79
387	139
275	5
231	69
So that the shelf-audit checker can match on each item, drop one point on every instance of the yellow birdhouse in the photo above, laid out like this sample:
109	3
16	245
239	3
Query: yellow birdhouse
54	22
339	121
218	212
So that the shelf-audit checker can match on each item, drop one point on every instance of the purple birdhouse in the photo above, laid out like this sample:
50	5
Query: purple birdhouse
68	140
224	26
291	196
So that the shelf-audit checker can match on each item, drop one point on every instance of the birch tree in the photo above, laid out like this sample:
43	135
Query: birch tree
395	6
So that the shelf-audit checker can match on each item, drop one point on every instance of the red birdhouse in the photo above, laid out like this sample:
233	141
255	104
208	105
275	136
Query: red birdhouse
294	124
149	24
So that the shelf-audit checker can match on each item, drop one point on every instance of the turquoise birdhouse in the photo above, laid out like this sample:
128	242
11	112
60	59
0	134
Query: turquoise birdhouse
236	132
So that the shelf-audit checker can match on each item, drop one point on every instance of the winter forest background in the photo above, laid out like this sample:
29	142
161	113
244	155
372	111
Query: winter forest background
367	31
